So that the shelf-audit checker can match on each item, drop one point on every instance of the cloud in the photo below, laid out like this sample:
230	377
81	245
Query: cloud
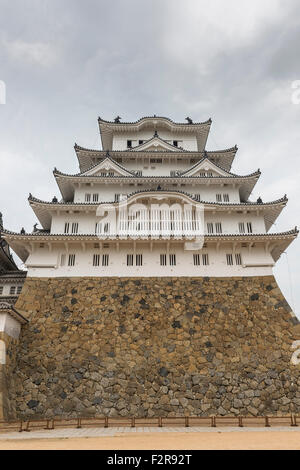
38	53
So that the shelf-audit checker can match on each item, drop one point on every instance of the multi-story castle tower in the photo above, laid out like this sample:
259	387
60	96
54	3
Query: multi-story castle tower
150	289
123	214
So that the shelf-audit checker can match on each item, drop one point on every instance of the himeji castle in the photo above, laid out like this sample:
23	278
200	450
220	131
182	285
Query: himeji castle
153	202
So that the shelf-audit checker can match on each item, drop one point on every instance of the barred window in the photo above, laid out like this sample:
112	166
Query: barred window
12	290
75	227
238	258
117	197
105	260
249	227
129	260
218	227
111	173
95	197
241	227
219	197
196	259
87	197
71	260
67	227
163	260
96	260
139	260
229	259
205	259
210	227
226	197
172	258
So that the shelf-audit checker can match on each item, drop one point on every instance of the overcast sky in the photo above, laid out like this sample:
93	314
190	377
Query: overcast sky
66	62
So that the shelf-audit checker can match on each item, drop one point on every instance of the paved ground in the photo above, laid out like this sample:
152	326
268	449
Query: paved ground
121	438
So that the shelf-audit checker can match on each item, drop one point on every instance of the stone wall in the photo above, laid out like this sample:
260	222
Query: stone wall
7	365
155	347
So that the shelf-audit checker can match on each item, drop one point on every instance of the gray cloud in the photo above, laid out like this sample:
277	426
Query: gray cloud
65	63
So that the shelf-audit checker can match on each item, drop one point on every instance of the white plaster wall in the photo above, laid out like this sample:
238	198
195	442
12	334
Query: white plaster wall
106	192
87	221
120	140
2	351
260	260
9	325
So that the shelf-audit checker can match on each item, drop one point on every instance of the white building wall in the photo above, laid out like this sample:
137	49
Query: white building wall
230	221
106	192
260	262
187	141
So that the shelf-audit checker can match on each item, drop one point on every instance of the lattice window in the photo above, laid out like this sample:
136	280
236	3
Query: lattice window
172	258
238	259
163	260
139	260
105	260
71	260
96	260
241	227
218	227
205	259
196	259
129	260
229	259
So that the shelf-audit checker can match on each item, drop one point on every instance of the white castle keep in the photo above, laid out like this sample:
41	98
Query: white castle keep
153	203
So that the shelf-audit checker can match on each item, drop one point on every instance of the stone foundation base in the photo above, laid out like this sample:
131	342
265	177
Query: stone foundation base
155	347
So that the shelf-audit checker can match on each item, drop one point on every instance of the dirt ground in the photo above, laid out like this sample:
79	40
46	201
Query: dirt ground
270	440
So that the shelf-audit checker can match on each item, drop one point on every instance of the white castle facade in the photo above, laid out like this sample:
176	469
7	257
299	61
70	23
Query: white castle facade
153	203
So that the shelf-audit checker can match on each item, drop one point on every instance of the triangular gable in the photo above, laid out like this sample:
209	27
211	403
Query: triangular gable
156	144
204	166
106	166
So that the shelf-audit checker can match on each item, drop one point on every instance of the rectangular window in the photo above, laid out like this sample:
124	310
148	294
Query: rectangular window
202	174
96	260
238	258
110	173
196	259
19	289
219	197
209	174
129	144
1	290
105	260
249	227
197	197
103	173
226	197
12	290
74	227
172	259
62	259
218	227
205	260
71	260
163	260
155	160
229	259
67	227
129	260
117	197
210	227
95	197
175	143
139	260
141	142
241	227
87	197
